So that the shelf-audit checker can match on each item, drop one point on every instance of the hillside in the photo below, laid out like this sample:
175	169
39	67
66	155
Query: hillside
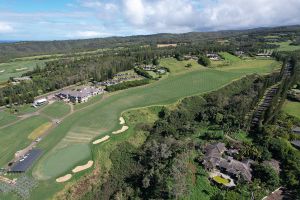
21	49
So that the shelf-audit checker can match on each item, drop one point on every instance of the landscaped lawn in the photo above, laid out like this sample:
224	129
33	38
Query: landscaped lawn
57	110
103	117
292	108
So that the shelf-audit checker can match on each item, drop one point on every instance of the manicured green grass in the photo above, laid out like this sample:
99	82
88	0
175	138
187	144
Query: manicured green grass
57	110
65	159
221	180
285	46
229	57
23	109
292	108
103	117
10	69
14	138
6	118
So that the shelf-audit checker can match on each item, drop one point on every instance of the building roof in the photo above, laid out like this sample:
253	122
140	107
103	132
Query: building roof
213	158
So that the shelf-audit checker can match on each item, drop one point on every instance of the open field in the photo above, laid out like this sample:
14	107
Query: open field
57	110
13	69
292	108
102	118
15	137
285	46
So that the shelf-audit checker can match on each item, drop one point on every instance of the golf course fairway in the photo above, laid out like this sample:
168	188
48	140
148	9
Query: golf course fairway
62	146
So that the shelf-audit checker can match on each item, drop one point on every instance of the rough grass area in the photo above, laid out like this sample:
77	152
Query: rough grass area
15	137
292	108
241	136
221	180
38	132
57	110
102	117
202	189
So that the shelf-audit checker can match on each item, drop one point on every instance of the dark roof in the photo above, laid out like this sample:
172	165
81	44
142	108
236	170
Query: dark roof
22	166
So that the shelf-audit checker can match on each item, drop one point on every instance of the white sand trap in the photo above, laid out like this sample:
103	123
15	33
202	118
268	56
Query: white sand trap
122	120
83	167
101	140
64	178
123	129
1	71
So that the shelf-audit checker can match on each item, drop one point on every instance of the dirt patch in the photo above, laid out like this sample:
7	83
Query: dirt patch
64	178
101	140
123	129
83	167
122	120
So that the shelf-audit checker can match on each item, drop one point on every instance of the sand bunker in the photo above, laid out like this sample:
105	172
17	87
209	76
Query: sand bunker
123	129
2	71
101	140
64	178
122	120
83	167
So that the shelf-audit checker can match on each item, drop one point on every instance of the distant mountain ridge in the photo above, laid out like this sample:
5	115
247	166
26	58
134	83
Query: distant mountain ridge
10	50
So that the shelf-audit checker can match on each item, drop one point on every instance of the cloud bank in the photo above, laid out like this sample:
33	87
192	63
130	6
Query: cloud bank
99	18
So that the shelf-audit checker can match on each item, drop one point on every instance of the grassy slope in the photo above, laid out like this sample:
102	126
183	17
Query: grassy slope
57	110
102	118
8	142
292	108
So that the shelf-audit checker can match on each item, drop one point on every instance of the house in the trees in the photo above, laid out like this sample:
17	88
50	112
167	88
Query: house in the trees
215	159
213	56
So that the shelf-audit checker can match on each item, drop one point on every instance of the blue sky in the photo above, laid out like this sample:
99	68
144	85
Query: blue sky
73	19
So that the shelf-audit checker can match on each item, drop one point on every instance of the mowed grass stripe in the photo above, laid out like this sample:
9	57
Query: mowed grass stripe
105	114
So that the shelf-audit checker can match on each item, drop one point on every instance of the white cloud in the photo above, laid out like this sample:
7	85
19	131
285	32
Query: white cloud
5	27
88	34
185	15
91	3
